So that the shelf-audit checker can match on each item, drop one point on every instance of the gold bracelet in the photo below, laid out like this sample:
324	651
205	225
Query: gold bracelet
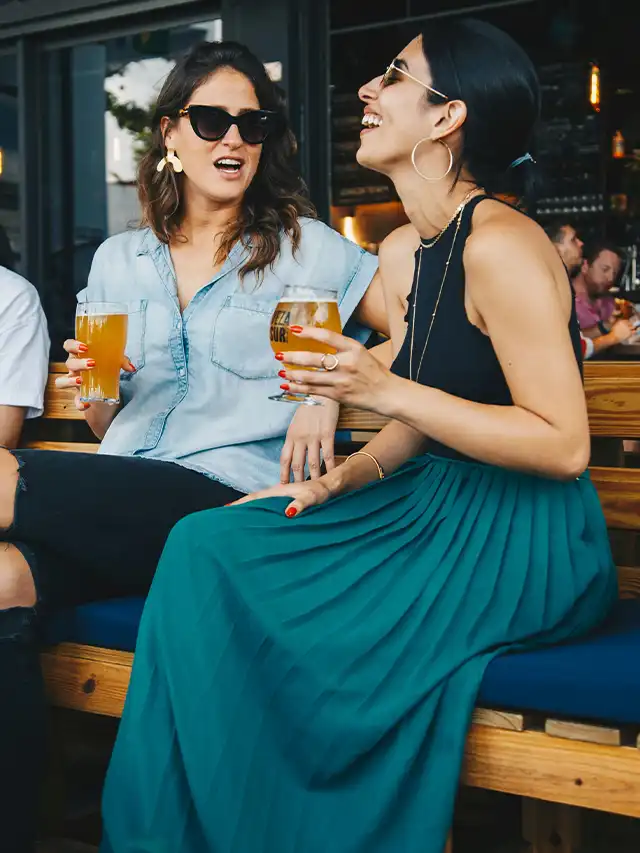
372	458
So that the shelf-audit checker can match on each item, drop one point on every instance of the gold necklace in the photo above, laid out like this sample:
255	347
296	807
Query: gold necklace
428	245
435	310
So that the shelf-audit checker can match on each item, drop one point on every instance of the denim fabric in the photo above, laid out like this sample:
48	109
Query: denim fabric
200	393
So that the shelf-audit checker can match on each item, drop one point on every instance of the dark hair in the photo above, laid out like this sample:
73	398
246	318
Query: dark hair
555	230
481	65
277	196
594	251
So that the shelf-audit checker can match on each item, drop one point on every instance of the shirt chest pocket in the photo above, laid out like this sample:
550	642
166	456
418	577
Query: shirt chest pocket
136	330
240	339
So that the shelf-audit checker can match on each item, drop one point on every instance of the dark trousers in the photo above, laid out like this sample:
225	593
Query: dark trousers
91	527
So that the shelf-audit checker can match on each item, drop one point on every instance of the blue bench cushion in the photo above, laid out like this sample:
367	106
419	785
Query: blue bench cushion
108	624
597	677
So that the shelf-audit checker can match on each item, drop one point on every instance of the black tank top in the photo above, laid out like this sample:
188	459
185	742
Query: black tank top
459	358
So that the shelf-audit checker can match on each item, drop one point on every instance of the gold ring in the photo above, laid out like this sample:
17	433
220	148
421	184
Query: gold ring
336	361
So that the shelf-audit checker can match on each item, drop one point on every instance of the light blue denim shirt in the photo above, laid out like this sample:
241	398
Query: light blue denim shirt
200	395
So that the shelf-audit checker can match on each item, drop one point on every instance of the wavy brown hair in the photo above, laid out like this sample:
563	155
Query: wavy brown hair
277	196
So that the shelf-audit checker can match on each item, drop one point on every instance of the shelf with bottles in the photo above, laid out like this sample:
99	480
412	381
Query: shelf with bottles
586	204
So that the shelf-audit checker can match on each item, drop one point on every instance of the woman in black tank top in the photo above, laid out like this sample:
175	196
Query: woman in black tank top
308	686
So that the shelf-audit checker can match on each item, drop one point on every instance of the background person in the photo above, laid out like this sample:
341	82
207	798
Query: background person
24	355
595	305
569	246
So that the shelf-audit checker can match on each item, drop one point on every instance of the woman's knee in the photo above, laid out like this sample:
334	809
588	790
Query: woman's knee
17	587
9	474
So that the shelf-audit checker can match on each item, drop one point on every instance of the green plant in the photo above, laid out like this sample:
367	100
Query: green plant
137	120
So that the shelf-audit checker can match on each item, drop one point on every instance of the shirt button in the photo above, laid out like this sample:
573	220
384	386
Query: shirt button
181	371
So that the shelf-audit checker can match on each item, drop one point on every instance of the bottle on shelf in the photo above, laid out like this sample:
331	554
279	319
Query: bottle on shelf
617	145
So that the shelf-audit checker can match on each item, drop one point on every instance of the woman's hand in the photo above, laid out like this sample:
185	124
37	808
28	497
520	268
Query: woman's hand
351	376
76	364
307	494
312	428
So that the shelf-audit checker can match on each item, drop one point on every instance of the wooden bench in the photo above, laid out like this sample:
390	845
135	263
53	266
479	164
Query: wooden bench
554	764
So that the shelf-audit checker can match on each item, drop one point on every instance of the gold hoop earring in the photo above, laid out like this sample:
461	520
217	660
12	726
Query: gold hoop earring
172	158
422	175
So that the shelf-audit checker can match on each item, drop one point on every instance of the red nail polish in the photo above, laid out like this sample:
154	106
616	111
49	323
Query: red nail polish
91	362
280	356
132	366
285	387
79	380
291	512
295	329
83	348
282	374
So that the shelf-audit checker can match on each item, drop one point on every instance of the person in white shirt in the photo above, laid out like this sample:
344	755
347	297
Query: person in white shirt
24	355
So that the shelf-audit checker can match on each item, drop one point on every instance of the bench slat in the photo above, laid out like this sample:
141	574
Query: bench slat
611	389
629	582
619	493
66	446
613	398
533	764
608	735
85	678
58	402
360	420
500	719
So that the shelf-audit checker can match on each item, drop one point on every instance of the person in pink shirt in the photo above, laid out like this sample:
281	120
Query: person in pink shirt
595	306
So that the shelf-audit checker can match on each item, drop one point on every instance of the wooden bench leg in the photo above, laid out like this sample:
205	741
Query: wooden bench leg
550	827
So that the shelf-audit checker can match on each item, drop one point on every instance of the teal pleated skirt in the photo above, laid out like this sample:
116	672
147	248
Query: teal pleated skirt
306	685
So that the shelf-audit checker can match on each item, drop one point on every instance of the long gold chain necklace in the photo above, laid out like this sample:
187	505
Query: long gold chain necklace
457	215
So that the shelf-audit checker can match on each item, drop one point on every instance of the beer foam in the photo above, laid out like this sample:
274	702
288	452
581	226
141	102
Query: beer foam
288	299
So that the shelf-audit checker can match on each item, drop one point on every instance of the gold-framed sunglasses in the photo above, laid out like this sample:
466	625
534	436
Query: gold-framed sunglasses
387	78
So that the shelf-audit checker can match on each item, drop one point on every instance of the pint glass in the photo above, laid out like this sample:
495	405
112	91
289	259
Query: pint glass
102	326
303	306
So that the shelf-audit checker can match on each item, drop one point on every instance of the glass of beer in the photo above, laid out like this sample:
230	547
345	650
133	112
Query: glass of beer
102	326
303	305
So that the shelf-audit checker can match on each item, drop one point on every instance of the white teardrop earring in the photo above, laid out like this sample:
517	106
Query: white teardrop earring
422	175
172	158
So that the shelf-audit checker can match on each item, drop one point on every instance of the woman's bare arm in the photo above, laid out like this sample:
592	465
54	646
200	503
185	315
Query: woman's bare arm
397	263
371	308
388	292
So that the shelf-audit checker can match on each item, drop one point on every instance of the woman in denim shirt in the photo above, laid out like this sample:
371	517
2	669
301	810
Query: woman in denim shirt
228	226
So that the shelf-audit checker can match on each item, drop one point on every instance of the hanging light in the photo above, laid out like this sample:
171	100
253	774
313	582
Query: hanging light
1	161
594	87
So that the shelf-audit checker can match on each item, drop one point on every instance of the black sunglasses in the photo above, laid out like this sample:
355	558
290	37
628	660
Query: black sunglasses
212	123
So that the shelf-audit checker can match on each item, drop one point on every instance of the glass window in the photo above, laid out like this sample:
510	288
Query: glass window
10	241
99	103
